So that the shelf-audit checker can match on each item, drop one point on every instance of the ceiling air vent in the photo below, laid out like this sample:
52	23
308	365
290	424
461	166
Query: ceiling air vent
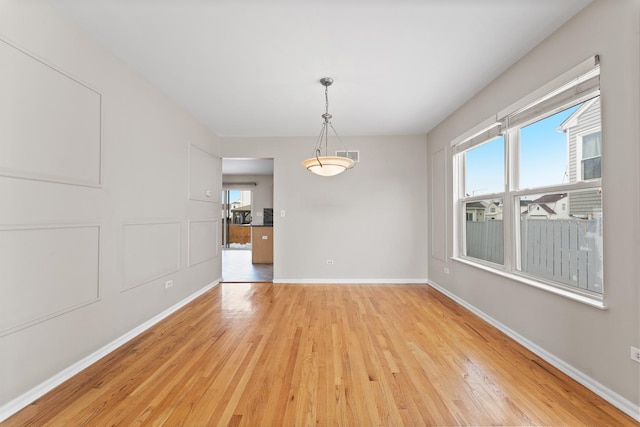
353	155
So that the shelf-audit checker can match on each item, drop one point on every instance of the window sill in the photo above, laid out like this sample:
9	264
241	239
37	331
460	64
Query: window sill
584	299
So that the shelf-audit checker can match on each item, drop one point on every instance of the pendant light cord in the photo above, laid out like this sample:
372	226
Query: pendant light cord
324	131
326	122
326	101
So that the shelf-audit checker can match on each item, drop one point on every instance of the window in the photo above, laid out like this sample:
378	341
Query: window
529	190
590	156
484	174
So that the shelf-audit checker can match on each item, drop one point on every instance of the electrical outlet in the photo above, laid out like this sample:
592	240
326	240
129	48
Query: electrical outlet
635	354
168	284
446	270
330	262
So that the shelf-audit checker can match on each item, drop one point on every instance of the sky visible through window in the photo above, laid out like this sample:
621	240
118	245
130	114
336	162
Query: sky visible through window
234	196
543	158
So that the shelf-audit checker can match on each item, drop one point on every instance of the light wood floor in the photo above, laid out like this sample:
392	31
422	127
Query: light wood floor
322	355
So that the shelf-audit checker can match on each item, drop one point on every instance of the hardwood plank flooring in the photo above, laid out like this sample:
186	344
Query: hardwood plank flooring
259	354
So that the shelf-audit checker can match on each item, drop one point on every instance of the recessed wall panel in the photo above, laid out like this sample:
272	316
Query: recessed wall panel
50	123
149	251
46	270
203	175
203	240
439	205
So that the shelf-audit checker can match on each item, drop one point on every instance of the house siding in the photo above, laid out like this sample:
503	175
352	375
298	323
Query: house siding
588	120
584	203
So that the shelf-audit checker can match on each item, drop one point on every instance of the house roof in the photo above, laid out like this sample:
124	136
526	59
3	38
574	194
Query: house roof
478	205
550	198
547	209
547	198
572	120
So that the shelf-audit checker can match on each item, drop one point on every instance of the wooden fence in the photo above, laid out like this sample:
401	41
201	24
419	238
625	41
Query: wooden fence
568	251
485	240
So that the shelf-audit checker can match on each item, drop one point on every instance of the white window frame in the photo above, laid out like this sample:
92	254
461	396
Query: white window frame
486	132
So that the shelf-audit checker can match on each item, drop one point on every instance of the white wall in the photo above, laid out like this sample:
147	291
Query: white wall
81	265
593	341
368	220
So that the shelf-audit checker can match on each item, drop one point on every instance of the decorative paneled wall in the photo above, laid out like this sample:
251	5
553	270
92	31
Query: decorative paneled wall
47	270
438	169
50	123
202	232
149	251
100	175
51	131
203	175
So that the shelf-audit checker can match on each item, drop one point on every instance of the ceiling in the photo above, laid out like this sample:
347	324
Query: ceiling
252	68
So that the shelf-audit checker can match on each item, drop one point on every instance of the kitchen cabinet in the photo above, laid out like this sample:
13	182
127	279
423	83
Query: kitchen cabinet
262	244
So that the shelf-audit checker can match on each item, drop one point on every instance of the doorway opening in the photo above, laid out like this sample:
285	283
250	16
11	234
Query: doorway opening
247	220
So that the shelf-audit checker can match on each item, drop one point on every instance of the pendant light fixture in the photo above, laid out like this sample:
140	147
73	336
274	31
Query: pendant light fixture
325	165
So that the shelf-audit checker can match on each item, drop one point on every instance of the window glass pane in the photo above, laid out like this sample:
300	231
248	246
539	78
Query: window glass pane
591	152
591	145
561	238
484	168
591	168
543	151
484	230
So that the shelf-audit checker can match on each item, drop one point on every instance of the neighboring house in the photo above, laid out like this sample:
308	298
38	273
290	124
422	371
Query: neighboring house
493	210
549	206
475	211
524	206
584	146
484	210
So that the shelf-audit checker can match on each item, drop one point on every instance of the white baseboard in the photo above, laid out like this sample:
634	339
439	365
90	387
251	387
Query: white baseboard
41	389
355	281
625	405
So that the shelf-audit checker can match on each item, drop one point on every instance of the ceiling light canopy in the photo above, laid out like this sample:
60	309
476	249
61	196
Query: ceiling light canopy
325	165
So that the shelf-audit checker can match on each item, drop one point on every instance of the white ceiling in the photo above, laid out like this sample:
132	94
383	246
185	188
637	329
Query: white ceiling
251	68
